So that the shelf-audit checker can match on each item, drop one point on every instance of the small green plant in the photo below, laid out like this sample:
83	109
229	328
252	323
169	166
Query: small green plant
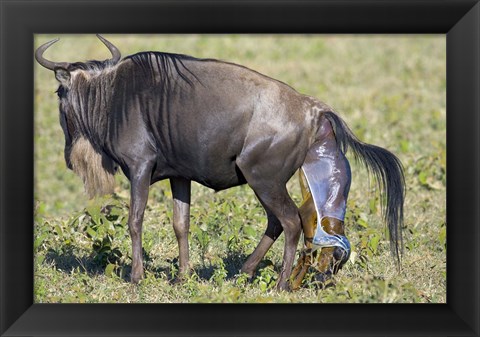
431	170
104	223
442	235
266	278
202	238
242	279
220	273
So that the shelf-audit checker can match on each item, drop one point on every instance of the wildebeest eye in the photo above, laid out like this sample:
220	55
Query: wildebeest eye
61	91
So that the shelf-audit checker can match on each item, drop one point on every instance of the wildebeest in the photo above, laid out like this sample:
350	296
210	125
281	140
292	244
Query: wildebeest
158	115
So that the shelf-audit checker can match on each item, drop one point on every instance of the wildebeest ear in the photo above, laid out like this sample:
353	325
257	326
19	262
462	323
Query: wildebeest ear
63	76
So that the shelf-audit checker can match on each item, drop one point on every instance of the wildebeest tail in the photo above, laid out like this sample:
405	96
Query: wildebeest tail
388	172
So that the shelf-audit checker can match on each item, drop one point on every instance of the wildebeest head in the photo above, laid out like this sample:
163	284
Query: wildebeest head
82	155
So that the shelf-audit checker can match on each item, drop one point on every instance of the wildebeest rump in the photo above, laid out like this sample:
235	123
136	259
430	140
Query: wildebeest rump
159	115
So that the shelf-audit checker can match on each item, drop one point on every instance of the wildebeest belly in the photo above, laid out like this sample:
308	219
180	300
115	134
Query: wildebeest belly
204	149
216	172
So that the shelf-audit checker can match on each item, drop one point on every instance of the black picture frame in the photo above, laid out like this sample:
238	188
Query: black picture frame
20	20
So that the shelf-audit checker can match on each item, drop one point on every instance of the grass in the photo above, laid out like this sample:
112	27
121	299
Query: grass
391	90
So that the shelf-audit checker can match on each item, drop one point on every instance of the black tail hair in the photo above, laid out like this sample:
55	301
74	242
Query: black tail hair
388	172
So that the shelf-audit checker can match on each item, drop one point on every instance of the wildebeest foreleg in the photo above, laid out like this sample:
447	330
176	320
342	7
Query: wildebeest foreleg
181	221
140	183
274	229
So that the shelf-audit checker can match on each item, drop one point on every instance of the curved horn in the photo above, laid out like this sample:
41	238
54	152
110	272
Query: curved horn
46	63
114	50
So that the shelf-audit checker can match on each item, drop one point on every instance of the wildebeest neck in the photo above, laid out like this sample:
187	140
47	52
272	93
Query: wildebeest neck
88	103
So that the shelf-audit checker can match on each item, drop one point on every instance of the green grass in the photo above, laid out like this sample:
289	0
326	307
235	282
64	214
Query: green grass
391	90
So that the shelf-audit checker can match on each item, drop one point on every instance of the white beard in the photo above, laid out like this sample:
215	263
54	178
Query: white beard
96	169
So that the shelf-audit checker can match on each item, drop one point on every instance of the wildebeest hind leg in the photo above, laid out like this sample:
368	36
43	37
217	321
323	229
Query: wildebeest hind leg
282	206
274	229
275	197
181	221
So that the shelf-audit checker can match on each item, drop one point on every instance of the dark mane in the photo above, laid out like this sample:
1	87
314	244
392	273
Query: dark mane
164	64
91	65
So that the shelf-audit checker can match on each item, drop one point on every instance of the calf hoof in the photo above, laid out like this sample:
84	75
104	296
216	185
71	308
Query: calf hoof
323	277
324	280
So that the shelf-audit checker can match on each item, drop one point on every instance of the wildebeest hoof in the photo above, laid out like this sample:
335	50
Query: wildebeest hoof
242	278
135	279
284	286
180	279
